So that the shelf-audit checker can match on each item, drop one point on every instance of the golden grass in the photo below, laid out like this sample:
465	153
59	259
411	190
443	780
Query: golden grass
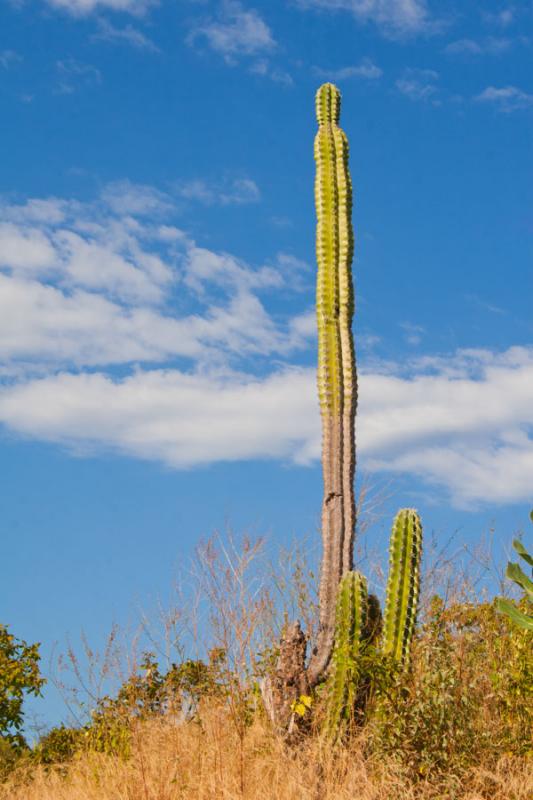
211	762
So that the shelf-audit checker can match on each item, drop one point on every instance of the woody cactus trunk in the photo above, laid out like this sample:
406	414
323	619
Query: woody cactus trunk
337	380
337	390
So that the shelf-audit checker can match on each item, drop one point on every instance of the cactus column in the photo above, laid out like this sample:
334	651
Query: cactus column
337	386
403	585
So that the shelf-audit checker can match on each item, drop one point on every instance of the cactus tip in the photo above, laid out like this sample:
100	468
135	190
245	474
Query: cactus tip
328	104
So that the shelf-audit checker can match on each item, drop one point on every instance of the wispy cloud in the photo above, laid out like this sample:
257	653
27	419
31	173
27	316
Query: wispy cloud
125	198
8	58
419	84
472	47
74	75
235	33
266	69
365	69
412	333
393	17
127	35
484	304
506	99
84	7
502	18
235	191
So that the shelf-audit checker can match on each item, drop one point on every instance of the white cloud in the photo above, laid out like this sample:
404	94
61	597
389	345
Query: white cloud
394	17
43	327
88	284
84	7
183	420
94	265
51	210
418	84
88	287
237	32
366	69
462	423
237	191
203	266
24	249
128	34
506	99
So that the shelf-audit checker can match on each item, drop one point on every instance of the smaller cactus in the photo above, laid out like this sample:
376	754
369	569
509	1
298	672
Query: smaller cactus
403	585
351	620
359	623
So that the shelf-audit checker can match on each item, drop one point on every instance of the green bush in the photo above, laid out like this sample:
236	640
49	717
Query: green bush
58	745
149	693
19	676
468	694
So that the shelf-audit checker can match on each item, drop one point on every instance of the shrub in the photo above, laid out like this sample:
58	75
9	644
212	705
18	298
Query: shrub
467	697
19	676
58	745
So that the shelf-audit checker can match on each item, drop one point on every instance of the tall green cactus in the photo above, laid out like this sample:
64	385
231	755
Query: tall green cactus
348	618
403	585
351	625
337	381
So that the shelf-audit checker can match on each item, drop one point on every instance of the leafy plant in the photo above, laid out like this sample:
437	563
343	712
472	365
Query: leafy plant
467	698
19	676
515	573
58	745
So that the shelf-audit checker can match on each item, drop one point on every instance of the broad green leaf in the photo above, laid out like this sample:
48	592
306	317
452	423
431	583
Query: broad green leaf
514	614
514	573
521	550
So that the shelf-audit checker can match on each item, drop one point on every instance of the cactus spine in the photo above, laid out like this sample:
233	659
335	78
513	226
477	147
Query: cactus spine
337	381
350	626
403	584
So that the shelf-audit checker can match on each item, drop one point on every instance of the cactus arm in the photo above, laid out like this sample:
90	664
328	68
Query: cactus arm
350	625
336	366
403	584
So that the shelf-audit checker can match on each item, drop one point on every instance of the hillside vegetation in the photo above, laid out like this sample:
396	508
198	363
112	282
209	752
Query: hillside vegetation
457	724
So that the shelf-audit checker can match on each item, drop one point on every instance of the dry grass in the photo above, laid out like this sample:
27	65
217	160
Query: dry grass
212	762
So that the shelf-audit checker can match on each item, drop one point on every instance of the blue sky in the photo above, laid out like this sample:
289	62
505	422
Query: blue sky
157	282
